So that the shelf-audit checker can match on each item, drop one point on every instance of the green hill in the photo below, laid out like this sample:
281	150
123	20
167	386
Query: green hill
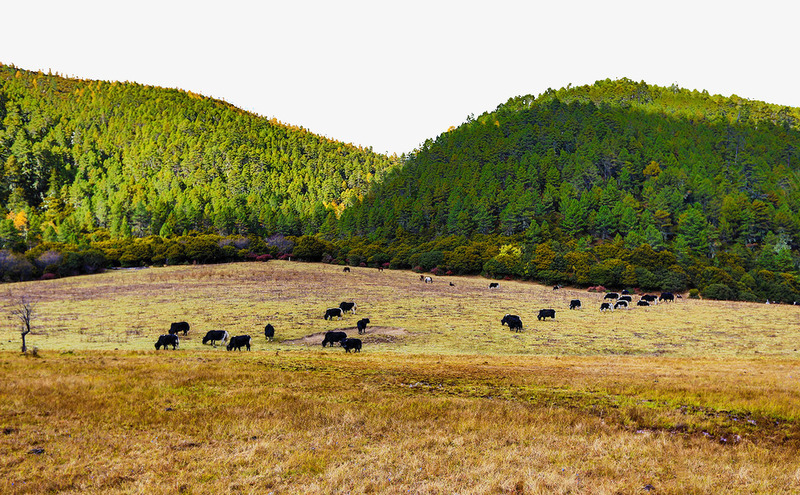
579	180
616	184
79	156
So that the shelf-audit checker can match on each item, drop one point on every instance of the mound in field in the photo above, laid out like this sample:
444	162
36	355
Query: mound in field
373	334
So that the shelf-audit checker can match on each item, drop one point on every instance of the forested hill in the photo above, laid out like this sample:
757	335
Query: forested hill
81	156
619	183
587	176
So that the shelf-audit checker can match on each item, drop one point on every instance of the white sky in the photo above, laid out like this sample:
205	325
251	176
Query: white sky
392	74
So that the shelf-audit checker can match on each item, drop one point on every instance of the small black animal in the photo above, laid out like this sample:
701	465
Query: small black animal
493	285
452	284
331	313
348	306
346	269
575	304
215	335
180	326
354	344
513	321
546	313
332	337
165	340
361	325
269	331
238	342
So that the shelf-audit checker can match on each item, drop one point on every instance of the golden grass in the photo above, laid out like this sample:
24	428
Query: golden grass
318	422
690	397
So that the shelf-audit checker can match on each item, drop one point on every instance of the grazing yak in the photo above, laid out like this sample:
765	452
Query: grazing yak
650	298
611	295
165	340
348	344
513	321
666	296
238	342
330	313
361	325
269	331
575	304
643	303
493	285
627	299
346	269
546	313
605	306
348	306
332	337
428	280
180	326
620	304
215	335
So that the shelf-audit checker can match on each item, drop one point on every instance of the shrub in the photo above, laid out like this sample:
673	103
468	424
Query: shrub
719	292
310	248
694	293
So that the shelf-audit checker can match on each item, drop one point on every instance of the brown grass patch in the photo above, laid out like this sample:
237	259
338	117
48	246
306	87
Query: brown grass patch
319	422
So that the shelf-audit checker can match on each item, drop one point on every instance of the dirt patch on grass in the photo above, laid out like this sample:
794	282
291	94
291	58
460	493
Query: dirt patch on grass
373	334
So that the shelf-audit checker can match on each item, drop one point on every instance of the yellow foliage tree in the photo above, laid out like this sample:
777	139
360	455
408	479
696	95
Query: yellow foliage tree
20	220
652	170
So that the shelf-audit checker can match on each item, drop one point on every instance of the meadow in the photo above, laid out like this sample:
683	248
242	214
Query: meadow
686	397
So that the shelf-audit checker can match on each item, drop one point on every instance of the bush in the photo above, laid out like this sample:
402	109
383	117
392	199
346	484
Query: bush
310	248
204	249
694	293
719	292
428	260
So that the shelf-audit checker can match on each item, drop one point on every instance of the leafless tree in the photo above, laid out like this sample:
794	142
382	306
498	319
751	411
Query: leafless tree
25	313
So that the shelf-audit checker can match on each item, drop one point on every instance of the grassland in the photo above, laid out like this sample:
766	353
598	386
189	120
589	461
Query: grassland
689	397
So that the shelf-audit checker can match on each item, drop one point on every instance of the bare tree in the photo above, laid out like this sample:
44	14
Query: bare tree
25	313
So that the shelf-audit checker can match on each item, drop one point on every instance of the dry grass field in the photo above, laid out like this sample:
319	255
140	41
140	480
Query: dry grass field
688	397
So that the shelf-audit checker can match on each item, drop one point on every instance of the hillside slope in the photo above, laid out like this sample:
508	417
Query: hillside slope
79	156
590	174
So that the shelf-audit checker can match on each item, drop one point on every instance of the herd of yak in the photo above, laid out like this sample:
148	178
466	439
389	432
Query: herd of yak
514	322
622	300
239	341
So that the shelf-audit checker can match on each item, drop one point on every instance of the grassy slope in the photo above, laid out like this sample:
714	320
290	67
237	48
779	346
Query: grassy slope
706	399
128	309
